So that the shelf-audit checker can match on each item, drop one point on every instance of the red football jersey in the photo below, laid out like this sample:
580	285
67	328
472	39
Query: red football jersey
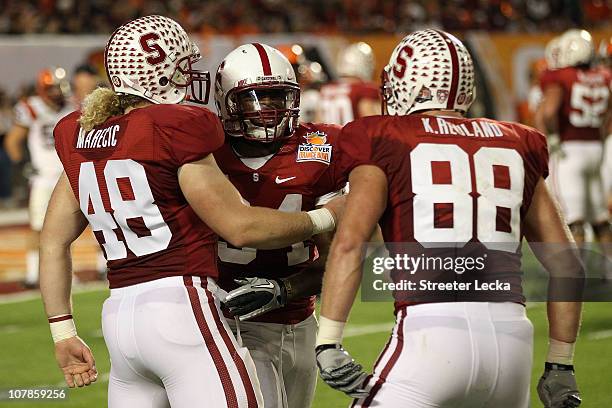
340	100
454	180
124	174
585	100
303	174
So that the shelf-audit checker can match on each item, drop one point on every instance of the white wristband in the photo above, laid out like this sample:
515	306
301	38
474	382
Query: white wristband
62	327
322	220
330	331
560	352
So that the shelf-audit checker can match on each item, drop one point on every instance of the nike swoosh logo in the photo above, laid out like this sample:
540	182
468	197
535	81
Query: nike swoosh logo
264	286
282	180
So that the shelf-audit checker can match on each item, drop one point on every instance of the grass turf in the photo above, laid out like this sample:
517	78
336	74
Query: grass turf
26	351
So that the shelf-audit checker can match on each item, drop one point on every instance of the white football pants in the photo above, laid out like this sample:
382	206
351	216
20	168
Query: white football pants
171	347
455	355
576	181
285	359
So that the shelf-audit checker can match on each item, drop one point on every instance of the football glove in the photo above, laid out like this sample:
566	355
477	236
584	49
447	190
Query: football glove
554	145
557	388
255	297
340	371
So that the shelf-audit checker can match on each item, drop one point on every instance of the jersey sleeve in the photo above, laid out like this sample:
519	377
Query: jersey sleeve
353	150
369	91
24	114
537	152
62	132
196	134
548	78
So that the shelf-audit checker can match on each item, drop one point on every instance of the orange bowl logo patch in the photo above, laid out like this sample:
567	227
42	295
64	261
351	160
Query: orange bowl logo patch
315	149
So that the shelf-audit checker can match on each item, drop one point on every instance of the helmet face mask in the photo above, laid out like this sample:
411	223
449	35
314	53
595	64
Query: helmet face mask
264	113
198	82
257	94
387	99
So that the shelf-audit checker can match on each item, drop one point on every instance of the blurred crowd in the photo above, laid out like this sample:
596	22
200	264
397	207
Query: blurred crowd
317	16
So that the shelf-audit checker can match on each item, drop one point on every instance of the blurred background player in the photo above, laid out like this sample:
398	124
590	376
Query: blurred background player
84	80
438	180
354	95
276	162
310	76
35	118
574	105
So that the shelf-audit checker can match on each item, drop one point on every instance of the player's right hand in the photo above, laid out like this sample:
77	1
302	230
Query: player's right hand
340	371
557	387
76	361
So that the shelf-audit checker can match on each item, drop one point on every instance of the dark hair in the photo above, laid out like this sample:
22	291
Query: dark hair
86	69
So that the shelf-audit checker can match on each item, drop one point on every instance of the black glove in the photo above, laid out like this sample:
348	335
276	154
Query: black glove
340	371
557	388
255	297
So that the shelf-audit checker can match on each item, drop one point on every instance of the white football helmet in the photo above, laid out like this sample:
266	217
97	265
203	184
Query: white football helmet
257	94
429	69
357	60
577	48
552	53
152	57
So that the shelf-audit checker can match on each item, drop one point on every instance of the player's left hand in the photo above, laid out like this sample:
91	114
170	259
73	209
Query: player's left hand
255	297
336	206
76	361
557	387
340	371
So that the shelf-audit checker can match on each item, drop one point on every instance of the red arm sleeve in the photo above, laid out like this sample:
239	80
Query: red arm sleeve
354	149
537	152
548	78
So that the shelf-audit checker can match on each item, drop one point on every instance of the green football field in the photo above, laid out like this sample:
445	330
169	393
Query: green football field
26	352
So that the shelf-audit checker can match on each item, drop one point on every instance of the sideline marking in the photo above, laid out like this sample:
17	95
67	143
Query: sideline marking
35	294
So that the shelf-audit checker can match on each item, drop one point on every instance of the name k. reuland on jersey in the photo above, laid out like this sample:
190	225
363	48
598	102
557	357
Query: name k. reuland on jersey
454	182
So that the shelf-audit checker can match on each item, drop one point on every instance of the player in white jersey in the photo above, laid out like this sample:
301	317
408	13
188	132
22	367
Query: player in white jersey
35	118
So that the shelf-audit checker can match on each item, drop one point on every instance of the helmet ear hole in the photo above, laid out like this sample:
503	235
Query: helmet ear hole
163	81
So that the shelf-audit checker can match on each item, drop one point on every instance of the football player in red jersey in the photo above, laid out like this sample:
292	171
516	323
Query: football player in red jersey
138	169
275	162
434	177
354	96
574	105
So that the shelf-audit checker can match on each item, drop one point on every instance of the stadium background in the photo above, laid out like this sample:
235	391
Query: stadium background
506	38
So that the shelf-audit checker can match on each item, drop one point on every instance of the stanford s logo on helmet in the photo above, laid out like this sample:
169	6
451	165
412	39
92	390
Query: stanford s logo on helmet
428	69
257	94
152	57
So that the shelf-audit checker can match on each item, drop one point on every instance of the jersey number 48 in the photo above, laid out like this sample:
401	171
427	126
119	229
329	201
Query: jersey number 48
141	205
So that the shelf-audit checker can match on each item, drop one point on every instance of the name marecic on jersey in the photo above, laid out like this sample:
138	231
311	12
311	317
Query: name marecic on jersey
472	128
98	138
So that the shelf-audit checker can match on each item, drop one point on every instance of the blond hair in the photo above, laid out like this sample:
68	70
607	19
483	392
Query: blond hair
102	104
